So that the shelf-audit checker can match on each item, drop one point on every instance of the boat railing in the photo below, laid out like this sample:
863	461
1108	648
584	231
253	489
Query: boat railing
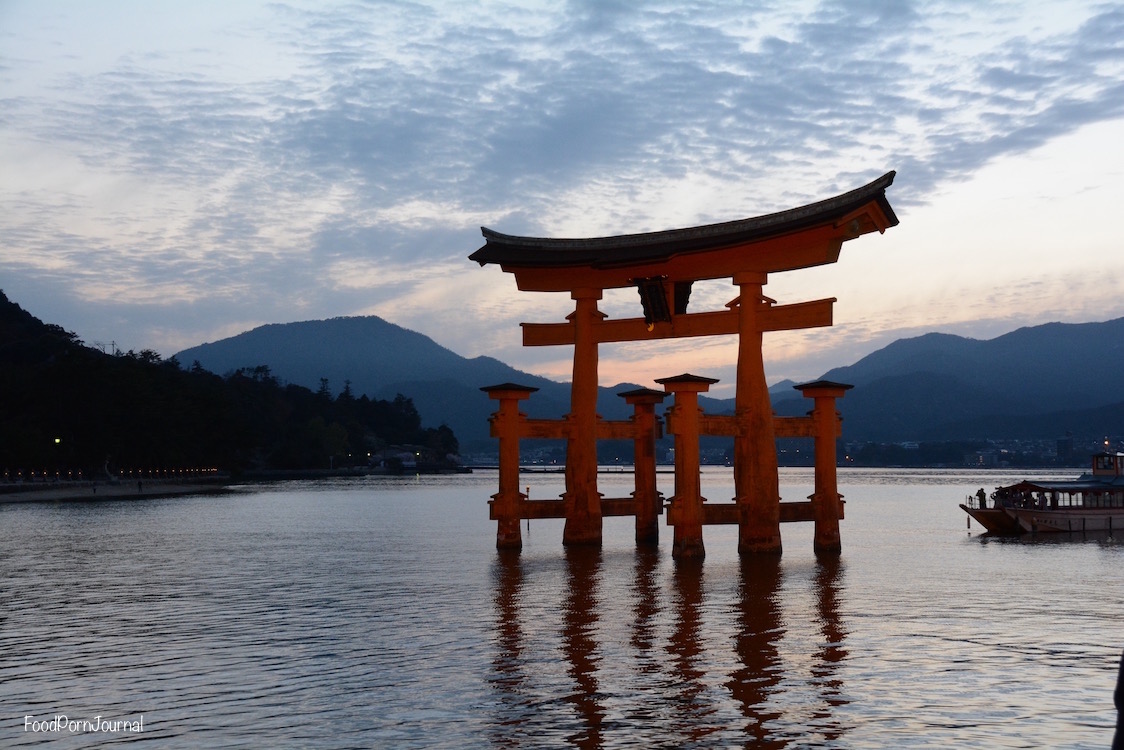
996	500
975	502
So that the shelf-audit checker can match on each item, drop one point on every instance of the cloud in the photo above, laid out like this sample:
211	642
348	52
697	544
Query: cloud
311	160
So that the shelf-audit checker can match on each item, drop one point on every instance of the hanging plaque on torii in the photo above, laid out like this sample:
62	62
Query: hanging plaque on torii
662	266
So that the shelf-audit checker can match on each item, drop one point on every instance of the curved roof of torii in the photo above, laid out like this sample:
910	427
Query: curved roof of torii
862	210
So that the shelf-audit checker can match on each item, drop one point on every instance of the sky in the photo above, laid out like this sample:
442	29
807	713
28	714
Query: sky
176	173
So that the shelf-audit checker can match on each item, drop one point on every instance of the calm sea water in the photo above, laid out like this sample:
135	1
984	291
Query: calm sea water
377	613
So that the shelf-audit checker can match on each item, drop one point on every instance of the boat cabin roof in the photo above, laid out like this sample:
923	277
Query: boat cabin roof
1107	474
1084	483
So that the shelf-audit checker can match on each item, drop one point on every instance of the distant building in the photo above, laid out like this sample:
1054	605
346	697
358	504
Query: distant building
982	459
1065	447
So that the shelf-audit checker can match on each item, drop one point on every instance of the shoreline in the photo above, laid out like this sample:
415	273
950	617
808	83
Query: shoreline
125	490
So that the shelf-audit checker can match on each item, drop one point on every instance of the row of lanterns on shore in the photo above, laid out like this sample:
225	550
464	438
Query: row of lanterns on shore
77	475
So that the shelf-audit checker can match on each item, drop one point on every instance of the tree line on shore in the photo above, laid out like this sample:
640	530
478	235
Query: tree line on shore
70	407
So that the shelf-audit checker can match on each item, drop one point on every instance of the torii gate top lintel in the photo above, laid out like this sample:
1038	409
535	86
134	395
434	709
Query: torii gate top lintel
796	238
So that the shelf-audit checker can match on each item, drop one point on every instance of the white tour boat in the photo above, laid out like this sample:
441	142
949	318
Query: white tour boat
1092	502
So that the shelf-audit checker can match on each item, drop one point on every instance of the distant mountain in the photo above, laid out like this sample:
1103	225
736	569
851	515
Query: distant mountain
381	359
1034	382
782	388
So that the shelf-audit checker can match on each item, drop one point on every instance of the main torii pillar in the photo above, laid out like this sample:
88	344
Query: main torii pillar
583	501
662	266
756	478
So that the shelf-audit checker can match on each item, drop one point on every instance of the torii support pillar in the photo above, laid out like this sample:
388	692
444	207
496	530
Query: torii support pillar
826	501
583	501
686	512
646	497
756	479
505	427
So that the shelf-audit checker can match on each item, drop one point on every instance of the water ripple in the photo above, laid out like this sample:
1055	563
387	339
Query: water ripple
378	614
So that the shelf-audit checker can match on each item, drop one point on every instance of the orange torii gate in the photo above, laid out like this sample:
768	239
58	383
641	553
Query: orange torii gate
663	266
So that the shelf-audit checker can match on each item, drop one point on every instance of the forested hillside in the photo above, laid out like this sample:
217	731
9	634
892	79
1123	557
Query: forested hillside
66	407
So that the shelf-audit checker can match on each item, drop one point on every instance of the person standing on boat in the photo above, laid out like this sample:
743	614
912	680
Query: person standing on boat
982	497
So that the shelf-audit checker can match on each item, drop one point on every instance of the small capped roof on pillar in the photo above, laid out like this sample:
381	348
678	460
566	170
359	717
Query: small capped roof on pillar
686	378
823	384
654	247
509	387
637	393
